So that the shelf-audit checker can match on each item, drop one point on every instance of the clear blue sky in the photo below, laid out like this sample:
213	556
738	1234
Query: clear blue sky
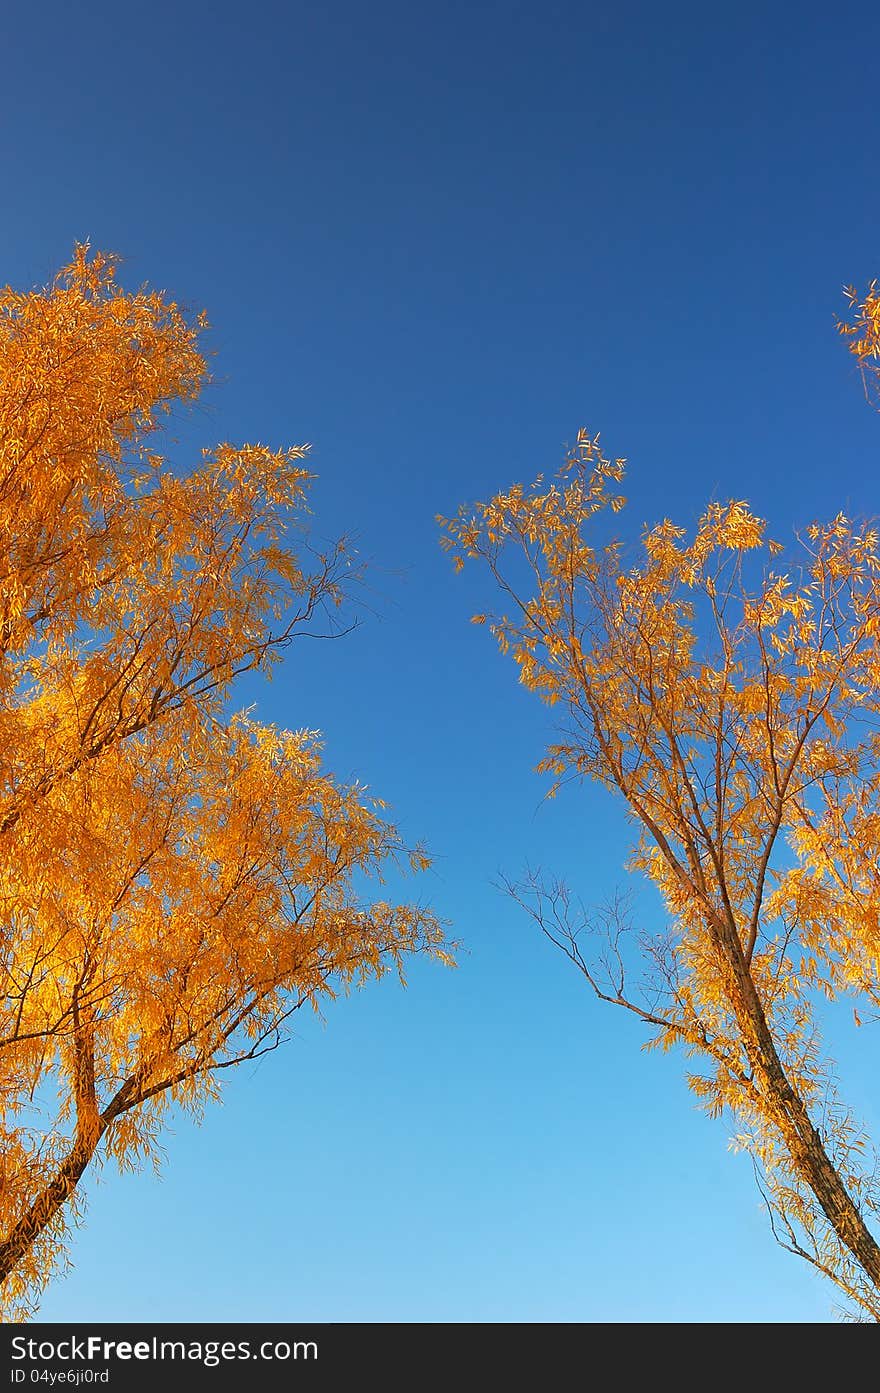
434	240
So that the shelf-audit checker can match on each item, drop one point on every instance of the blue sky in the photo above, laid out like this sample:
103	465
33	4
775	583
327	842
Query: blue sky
434	241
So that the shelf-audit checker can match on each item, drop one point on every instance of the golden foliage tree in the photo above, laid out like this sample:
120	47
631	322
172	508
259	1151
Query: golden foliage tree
175	881
729	694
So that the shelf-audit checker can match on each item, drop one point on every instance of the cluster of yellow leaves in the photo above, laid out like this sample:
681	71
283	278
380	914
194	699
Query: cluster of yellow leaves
174	882
863	333
730	704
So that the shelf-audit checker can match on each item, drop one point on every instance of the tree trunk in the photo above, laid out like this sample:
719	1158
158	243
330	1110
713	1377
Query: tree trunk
809	1157
46	1206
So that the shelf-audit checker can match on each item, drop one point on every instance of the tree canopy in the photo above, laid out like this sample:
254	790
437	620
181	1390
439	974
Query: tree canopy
176	879
726	687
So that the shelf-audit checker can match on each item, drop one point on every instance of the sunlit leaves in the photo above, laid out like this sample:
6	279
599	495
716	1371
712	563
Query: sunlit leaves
174	881
726	688
862	331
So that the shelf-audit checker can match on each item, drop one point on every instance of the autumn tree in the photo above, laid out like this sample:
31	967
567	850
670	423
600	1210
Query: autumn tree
727	690
176	880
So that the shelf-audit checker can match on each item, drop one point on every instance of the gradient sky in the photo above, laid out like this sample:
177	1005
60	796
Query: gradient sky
434	241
